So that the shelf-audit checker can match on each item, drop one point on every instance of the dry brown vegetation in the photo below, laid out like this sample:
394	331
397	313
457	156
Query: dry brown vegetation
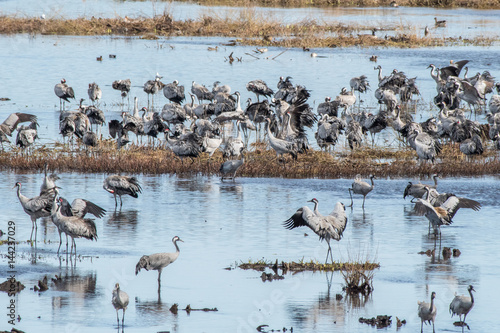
260	162
249	28
480	4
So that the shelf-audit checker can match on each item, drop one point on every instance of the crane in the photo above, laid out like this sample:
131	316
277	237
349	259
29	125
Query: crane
95	93
427	312
9	125
439	213
73	226
174	92
123	86
63	91
36	207
361	187
418	190
120	302
121	185
280	146
461	305
327	227
259	87
229	168
158	261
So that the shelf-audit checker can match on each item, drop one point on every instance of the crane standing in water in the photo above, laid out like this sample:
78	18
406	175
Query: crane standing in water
158	261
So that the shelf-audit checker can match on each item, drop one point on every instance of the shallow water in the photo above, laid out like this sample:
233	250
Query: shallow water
225	223
33	65
461	22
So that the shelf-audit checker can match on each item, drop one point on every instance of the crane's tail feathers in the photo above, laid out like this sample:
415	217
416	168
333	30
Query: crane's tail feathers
143	263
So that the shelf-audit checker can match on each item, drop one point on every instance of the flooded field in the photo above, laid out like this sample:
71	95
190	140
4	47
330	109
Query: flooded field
242	221
226	223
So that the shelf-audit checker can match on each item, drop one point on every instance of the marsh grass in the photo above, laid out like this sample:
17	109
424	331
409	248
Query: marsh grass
312	265
260	162
248	26
479	4
358	278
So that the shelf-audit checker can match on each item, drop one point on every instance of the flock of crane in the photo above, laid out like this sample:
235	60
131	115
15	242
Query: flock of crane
286	116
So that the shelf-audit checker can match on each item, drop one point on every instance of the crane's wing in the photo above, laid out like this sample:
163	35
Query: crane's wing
39	203
81	207
453	203
10	124
436	214
304	216
115	127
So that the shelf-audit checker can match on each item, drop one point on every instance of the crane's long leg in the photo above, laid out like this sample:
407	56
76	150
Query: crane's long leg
364	197
350	189
32	228
36	231
421	326
433	330
60	240
121	202
159	280
123	317
117	318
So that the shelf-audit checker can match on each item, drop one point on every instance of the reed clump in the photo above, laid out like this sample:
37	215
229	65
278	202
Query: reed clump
250	29
260	162
313	266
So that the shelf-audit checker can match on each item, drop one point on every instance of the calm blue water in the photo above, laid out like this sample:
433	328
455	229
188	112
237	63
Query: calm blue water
224	224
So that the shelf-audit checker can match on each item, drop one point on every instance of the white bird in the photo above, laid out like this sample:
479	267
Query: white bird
120	302
427	312
461	305
158	261
121	185
36	207
361	187
327	227
63	91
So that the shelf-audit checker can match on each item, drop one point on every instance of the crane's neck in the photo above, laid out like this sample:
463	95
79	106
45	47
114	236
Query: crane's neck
471	296
371	179
238	106
136	106
380	78
432	304
435	180
316	204
176	247
21	197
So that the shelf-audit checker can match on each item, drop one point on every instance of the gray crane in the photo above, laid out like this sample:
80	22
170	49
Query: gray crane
174	92
461	305
418	190
259	88
9	125
327	227
36	207
120	302
280	146
360	84
361	187
49	181
26	135
229	168
152	87
426	146
122	185
439	213
81	207
95	93
427	312
123	86
72	226
472	146
354	134
201	92
158	261
64	92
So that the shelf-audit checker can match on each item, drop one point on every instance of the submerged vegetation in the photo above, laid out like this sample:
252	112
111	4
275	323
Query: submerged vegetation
247	27
260	162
